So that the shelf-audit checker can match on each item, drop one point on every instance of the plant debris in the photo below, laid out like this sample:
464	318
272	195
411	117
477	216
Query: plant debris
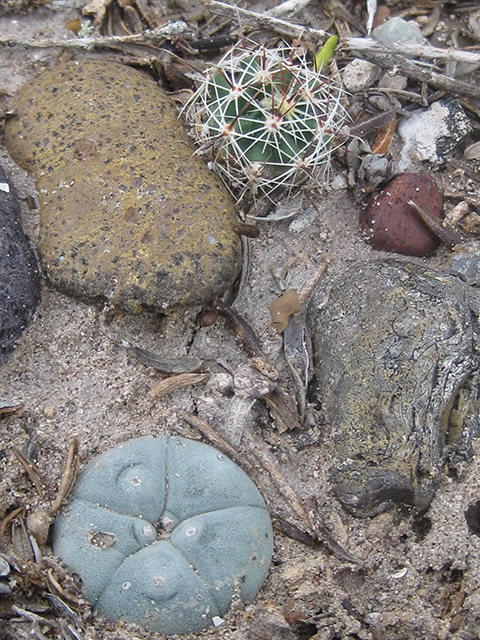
282	308
186	364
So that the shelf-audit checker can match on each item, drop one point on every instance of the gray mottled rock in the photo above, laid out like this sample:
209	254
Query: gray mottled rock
19	276
432	134
393	80
358	75
399	31
396	365
128	213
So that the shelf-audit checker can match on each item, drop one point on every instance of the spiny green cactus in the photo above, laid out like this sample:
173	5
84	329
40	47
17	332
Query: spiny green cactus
269	118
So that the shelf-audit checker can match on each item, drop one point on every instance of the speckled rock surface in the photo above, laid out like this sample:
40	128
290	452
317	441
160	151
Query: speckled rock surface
127	213
396	357
19	276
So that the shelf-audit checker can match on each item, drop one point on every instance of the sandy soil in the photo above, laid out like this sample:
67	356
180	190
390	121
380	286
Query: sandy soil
415	580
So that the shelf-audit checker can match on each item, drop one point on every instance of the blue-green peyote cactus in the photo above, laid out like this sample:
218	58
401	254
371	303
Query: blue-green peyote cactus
165	532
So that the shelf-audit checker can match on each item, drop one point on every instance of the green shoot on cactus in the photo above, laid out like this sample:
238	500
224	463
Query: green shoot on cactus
268	118
324	55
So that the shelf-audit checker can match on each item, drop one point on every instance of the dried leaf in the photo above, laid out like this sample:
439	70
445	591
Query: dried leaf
184	364
31	470
74	25
282	308
368	125
283	410
384	137
241	328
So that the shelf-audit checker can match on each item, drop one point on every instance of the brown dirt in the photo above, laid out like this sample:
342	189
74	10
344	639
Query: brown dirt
416	579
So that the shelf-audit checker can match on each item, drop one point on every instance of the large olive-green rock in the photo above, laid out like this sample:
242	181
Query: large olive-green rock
127	212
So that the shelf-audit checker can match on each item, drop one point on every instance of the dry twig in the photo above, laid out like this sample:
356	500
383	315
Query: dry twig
68	478
385	55
388	60
32	471
354	45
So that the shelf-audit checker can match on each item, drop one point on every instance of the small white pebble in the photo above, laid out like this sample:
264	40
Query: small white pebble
400	574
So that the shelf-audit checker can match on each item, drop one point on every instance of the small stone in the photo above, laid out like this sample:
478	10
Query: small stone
4	568
294	574
398	31
391	224
432	134
464	262
38	523
19	276
49	412
358	75
128	213
457	213
393	81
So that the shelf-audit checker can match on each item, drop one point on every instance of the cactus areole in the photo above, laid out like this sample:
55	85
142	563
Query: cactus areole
268	119
165	532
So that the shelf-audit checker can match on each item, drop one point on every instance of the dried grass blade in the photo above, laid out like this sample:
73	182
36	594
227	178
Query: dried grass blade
168	385
68	478
31	471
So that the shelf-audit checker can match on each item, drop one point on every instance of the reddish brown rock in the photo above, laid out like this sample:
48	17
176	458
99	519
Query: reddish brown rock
393	225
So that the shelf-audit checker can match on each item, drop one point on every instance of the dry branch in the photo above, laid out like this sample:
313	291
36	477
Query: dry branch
354	45
387	56
421	74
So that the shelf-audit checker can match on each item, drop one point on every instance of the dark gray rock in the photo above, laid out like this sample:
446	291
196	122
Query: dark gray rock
19	275
396	365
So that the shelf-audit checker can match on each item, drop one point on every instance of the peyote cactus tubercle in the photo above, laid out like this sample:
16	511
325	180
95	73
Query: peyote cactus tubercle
269	118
